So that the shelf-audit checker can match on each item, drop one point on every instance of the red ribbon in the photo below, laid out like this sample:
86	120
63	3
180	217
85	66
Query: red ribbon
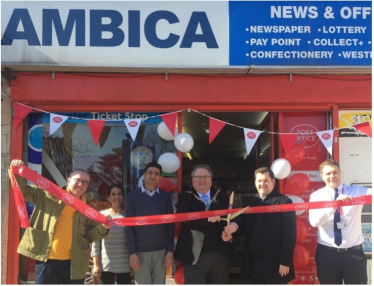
155	219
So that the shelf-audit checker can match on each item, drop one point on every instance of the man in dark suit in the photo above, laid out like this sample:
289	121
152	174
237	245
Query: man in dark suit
204	254
270	238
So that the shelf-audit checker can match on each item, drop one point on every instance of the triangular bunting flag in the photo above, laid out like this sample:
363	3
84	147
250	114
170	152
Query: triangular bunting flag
287	142
104	135
21	111
250	136
215	126
96	126
133	126
55	121
16	122
364	127
326	137
170	119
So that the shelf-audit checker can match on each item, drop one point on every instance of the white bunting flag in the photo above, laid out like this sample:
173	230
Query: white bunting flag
326	137
133	127
55	121
250	136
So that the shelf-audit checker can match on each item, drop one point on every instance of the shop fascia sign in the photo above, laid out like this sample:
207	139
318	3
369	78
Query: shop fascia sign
185	34
76	20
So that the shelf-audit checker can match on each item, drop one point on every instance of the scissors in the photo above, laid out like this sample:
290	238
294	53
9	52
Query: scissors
234	215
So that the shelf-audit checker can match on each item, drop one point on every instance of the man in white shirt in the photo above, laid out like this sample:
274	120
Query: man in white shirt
339	256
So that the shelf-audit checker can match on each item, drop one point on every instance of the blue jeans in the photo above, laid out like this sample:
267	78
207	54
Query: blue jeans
54	272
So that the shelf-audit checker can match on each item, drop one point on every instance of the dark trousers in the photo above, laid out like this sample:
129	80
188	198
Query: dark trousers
257	269
54	272
335	267
108	278
211	268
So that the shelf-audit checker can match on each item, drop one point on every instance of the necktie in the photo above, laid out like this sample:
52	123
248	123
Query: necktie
206	201
337	231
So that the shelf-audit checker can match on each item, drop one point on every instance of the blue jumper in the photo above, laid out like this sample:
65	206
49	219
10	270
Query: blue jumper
149	238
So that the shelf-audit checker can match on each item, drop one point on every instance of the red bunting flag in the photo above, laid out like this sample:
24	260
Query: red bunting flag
215	126
287	142
364	127
170	119
21	111
96	126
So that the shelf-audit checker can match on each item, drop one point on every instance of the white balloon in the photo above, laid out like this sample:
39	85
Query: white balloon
296	200
169	162
183	142
281	168
140	181
164	132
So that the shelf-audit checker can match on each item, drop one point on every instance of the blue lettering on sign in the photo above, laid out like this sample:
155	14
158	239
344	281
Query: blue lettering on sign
97	28
199	18
134	32
52	17
300	33
150	29
29	34
76	18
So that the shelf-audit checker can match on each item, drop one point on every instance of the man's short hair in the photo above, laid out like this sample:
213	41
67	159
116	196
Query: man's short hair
153	164
79	171
328	162
202	166
263	170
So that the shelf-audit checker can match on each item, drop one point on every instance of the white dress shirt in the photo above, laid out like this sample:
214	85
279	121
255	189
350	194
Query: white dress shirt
351	215
207	194
149	193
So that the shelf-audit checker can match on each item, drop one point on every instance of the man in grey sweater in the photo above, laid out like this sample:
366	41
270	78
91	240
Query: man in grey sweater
150	247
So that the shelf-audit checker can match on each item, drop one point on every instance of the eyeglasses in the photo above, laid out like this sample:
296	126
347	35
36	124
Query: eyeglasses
201	177
79	181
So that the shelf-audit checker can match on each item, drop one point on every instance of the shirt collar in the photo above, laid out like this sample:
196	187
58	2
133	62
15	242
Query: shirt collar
144	189
340	187
207	193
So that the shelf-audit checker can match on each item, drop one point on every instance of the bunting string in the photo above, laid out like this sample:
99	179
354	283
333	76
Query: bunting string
351	126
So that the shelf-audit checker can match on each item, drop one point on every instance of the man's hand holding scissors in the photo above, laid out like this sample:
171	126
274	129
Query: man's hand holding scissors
231	226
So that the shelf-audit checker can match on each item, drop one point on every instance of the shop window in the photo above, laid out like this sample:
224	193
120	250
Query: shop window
116	159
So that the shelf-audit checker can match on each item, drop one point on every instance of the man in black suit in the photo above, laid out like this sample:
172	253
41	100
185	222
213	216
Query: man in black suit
204	254
270	238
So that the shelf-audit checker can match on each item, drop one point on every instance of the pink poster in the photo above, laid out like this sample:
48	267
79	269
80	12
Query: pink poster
308	152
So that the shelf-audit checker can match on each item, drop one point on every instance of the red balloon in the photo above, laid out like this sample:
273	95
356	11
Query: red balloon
297	184
179	276
301	230
166	185
300	256
296	155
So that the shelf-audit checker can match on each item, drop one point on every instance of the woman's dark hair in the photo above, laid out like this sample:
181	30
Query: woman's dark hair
115	186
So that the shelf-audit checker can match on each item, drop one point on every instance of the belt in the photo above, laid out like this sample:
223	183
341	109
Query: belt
356	247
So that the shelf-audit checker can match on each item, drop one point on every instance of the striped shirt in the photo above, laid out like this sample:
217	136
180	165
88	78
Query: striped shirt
112	250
